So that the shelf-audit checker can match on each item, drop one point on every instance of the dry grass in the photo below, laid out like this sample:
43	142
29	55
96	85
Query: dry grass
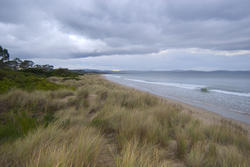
210	154
142	130
61	93
23	111
135	154
56	145
128	113
37	101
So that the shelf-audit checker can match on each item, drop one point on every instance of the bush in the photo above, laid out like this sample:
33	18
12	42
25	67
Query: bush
61	72
11	79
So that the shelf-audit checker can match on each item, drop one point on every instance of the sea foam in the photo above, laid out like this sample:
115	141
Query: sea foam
185	86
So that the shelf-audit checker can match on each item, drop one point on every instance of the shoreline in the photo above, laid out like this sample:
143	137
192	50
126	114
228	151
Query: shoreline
116	124
204	115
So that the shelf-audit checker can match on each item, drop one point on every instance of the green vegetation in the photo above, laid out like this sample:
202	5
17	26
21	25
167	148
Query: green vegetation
10	79
22	74
18	64
102	124
61	72
23	111
26	109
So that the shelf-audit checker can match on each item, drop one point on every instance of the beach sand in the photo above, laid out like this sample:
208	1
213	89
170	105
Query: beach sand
207	117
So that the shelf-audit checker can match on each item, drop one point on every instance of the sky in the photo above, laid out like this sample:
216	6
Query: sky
129	34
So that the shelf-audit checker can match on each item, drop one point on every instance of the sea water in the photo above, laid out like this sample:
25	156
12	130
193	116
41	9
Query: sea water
226	93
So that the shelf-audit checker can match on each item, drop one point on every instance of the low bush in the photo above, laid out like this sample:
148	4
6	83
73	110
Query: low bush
13	79
61	72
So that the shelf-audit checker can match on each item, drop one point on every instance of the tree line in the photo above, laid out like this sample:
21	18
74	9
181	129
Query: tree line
18	64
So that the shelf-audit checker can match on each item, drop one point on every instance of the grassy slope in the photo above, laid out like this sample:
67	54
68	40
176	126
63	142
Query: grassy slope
22	111
28	81
104	124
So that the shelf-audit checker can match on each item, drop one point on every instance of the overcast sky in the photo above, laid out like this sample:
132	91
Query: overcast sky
129	34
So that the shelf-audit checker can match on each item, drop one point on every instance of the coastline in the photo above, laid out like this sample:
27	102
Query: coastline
206	116
120	125
189	92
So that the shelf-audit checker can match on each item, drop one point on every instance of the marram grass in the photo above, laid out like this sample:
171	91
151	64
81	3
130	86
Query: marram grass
102	124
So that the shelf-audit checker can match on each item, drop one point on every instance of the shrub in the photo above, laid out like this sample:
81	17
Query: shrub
26	81
61	72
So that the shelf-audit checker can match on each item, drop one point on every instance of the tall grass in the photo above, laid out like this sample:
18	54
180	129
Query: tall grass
228	133
55	147
210	154
134	154
128	114
61	93
22	111
104	124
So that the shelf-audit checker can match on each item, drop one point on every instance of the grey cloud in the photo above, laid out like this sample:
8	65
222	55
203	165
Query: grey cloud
206	24
211	9
142	62
153	25
114	52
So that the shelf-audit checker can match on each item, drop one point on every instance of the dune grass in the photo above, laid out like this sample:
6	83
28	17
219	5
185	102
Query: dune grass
10	79
104	124
54	146
23	111
134	153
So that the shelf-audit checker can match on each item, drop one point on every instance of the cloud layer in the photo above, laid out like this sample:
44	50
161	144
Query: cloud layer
62	29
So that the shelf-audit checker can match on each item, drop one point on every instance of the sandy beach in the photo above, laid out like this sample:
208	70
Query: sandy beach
222	96
204	115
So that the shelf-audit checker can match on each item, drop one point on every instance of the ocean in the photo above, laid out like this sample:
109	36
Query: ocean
223	92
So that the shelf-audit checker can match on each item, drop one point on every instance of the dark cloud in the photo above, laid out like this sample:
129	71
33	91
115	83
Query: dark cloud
209	24
230	10
75	28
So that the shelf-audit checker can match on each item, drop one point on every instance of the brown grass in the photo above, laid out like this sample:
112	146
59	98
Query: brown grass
104	124
57	145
